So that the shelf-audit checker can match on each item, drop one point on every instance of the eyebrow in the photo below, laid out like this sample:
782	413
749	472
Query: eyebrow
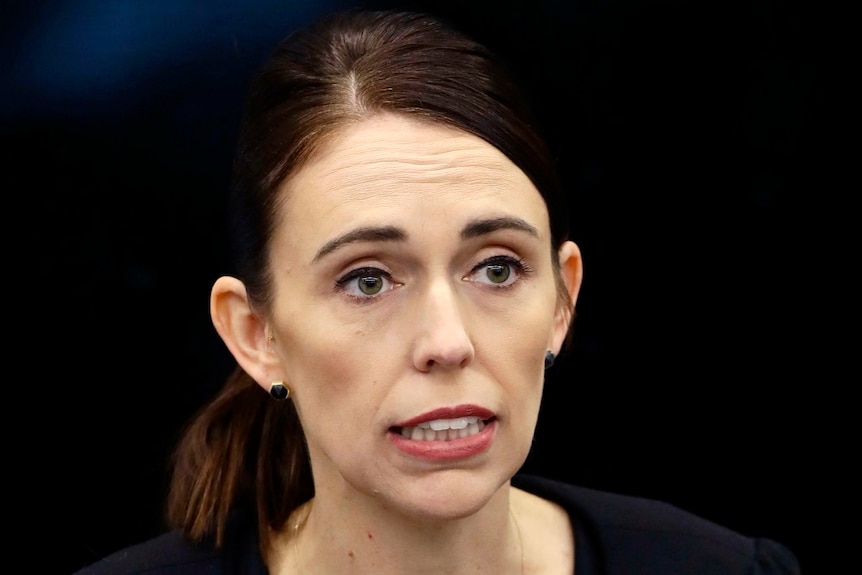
473	229
367	234
486	226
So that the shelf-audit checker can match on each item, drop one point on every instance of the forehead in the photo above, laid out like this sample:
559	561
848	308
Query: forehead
385	166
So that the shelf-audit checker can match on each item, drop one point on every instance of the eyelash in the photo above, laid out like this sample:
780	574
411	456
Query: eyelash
347	282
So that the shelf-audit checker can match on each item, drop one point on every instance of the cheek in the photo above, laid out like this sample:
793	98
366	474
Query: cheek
517	351
333	395
522	329
335	368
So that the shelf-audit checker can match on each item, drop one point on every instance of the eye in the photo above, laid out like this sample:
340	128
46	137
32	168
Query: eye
499	271
365	283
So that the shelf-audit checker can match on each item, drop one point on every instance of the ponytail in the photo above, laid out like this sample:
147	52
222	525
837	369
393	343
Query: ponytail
243	450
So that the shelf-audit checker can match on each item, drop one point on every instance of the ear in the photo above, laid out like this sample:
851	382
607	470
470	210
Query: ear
571	270
243	331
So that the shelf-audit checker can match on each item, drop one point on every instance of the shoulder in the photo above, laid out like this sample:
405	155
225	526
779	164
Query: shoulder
174	554
621	533
167	554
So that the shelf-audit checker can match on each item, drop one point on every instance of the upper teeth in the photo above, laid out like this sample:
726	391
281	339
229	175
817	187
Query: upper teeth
441	424
444	429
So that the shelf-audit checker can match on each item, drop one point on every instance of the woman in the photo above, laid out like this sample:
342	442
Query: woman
404	279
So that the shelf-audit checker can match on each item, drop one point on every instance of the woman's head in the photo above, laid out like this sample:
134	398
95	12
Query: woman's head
398	255
401	258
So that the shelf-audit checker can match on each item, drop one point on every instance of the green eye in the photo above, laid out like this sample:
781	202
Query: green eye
369	285
498	273
366	283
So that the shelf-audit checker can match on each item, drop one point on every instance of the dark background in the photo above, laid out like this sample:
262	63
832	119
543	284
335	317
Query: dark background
688	135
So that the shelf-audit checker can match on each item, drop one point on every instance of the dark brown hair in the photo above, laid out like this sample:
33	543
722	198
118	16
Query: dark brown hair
244	450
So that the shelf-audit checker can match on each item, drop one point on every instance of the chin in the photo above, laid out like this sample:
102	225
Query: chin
449	494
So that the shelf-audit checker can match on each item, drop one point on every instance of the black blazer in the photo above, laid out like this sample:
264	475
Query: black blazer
614	535
621	535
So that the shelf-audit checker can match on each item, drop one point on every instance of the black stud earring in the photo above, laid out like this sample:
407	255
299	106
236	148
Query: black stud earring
549	358
279	391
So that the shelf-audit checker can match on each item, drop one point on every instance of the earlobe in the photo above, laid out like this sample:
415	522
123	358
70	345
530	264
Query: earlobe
242	330
571	270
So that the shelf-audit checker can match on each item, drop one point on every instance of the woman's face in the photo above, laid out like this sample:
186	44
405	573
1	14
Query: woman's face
415	298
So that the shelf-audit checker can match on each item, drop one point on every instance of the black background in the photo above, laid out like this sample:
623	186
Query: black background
688	136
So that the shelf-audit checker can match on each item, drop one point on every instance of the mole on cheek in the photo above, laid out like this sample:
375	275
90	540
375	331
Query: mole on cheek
350	554
370	536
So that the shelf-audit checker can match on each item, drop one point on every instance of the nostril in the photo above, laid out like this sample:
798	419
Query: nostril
448	361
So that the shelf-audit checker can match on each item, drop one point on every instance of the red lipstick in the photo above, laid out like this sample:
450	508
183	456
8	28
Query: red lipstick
449	413
444	448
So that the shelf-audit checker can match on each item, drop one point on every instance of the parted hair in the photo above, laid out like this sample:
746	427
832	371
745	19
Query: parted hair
243	449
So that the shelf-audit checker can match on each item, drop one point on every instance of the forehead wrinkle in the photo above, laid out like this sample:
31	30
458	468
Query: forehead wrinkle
392	178
456	157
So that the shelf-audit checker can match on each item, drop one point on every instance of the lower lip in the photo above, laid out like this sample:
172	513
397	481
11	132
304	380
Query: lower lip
452	449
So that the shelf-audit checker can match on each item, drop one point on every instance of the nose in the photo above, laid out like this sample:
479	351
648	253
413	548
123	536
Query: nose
442	339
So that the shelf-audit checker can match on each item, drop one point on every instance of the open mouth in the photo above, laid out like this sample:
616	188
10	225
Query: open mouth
443	429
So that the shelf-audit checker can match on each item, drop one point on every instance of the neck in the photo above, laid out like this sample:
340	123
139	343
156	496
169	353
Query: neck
335	539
